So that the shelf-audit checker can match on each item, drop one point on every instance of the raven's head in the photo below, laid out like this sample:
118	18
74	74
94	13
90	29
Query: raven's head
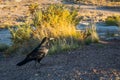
47	39
46	42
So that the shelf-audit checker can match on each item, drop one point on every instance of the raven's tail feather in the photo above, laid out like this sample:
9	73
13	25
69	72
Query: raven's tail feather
23	62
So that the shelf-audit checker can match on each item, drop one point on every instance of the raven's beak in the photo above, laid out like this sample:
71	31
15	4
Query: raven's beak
51	38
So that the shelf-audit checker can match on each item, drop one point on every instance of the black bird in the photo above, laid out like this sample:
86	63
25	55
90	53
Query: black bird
38	53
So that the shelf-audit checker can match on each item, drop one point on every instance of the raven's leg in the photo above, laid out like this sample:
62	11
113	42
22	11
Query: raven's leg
35	64
37	71
37	61
40	60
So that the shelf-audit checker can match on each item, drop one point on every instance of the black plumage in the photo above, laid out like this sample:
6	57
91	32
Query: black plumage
38	53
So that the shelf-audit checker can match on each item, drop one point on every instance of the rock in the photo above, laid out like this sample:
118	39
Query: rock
18	0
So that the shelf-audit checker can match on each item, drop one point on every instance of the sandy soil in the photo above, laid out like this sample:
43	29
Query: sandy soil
92	62
14	13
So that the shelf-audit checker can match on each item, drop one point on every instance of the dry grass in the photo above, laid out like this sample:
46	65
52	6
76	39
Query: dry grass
55	21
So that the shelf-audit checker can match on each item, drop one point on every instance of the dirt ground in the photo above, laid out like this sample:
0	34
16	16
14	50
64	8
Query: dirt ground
93	62
13	13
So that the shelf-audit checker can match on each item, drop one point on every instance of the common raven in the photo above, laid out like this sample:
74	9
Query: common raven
38	53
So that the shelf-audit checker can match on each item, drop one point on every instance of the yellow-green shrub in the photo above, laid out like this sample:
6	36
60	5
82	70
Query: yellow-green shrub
21	33
55	21
89	35
92	35
59	22
33	7
112	20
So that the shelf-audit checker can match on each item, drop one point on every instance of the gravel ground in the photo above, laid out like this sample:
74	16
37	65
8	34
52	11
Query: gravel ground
92	62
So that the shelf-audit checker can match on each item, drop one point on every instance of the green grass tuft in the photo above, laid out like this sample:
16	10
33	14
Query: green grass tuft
113	20
3	47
